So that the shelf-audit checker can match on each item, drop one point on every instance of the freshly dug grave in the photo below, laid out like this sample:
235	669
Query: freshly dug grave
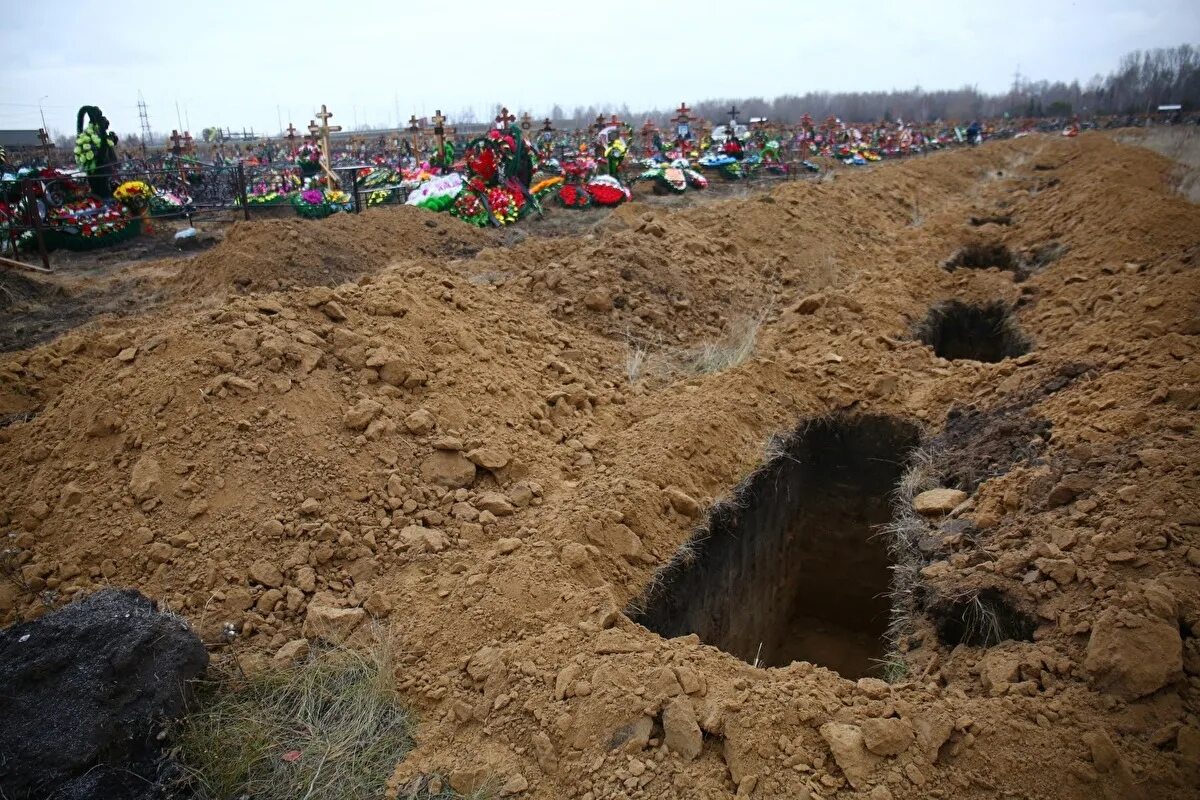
987	332
454	449
793	566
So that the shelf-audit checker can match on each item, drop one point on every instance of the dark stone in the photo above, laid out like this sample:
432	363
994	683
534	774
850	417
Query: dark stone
83	695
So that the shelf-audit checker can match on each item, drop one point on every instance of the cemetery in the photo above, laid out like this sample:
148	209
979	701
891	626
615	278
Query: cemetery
692	453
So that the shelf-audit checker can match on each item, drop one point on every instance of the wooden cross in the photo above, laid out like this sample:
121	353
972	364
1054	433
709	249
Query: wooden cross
648	131
414	129
526	121
682	114
187	141
324	114
291	134
598	125
547	126
504	119
614	121
176	139
440	130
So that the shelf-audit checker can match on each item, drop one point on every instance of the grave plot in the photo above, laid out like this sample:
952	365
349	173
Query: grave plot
792	566
982	255
978	332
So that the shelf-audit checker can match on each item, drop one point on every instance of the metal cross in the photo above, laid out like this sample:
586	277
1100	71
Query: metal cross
504	119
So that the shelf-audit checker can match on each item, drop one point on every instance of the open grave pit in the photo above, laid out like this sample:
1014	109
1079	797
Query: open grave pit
985	332
792	566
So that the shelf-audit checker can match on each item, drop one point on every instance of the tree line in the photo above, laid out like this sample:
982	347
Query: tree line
1142	81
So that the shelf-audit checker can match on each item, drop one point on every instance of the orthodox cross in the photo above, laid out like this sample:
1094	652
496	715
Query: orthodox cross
547	126
291	135
440	131
187	141
526	121
648	131
733	112
176	140
598	125
683	122
325	129
504	119
414	130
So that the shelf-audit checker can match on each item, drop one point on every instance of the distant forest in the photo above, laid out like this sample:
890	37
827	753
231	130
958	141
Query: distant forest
1142	81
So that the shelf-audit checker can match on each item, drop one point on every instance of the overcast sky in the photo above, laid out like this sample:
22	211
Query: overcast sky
256	63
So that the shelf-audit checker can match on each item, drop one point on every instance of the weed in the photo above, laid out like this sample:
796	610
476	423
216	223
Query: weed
330	727
732	349
892	669
635	362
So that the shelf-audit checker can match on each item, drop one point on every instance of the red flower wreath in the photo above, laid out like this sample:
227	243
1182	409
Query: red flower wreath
573	196
606	195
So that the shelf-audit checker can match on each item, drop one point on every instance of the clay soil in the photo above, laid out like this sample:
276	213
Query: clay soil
487	447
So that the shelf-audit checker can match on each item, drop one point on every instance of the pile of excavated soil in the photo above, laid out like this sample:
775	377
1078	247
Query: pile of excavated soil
454	449
278	254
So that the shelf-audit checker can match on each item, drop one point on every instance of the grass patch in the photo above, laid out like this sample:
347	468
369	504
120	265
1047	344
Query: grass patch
329	727
732	349
736	345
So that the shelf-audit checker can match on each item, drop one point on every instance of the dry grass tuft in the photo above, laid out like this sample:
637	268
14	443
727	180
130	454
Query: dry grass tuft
329	727
653	360
902	533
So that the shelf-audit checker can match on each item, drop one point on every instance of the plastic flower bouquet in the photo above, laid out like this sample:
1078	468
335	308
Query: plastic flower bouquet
308	154
134	194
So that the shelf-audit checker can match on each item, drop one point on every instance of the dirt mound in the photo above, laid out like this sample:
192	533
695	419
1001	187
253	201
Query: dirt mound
463	451
87	690
276	254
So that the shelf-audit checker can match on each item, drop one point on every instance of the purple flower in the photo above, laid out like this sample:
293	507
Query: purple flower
312	196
